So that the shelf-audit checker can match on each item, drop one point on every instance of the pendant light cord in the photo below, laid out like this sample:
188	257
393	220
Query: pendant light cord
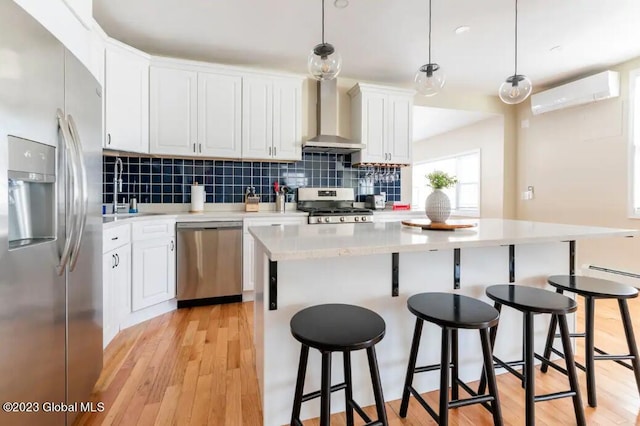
516	43
429	31
322	21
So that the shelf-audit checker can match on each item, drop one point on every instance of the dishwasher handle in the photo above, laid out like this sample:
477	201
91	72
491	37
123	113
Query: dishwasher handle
208	225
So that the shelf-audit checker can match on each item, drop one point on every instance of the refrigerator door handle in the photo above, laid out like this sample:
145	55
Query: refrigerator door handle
84	194
70	164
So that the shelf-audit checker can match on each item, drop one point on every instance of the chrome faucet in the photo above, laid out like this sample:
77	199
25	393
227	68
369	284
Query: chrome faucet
117	186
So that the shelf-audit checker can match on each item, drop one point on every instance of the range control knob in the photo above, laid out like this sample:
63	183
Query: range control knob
342	219
364	218
357	219
326	220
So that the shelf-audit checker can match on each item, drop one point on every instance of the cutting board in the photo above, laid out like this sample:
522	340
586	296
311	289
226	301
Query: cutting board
427	224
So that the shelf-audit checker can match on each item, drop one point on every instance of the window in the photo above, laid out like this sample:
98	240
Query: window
465	196
634	146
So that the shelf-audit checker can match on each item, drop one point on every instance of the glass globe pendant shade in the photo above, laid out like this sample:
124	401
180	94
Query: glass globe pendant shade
515	89
324	62
429	80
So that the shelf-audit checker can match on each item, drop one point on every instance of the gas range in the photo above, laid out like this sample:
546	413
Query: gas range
331	205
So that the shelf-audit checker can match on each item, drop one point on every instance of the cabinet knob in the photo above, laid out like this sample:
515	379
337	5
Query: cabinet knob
117	260
269	150
200	148
113	261
274	151
108	138
172	245
194	147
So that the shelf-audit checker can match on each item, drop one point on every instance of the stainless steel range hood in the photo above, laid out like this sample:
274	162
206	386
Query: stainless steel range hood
328	140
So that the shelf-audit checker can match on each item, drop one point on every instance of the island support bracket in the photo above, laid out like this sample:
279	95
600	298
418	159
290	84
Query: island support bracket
456	269
273	285
395	272
572	257
512	263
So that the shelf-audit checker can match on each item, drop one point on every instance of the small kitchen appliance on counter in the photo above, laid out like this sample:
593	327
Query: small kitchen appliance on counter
375	202
331	205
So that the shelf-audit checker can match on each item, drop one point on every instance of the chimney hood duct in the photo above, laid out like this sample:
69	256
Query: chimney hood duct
328	140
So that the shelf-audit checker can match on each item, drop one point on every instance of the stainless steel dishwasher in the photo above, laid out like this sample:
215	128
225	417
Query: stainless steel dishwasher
209	261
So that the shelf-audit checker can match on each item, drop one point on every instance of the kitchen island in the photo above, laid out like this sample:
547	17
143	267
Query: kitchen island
378	266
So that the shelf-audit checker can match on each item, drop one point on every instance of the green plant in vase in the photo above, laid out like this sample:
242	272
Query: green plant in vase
438	206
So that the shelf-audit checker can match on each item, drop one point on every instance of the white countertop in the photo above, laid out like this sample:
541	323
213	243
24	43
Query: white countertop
322	241
109	221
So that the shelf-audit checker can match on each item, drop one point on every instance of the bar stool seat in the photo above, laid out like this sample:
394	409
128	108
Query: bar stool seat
451	312
532	301
595	288
338	328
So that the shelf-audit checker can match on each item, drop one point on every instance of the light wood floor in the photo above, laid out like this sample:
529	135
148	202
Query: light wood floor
196	366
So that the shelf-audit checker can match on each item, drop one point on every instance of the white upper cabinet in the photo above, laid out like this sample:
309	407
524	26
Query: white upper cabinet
381	119
195	113
271	118
126	100
173	120
219	115
257	117
287	122
400	129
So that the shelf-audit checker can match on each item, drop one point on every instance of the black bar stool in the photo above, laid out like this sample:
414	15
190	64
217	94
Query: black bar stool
591	289
531	301
451	312
338	328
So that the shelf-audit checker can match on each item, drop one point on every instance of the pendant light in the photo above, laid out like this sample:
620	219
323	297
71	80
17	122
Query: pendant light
429	79
324	62
517	87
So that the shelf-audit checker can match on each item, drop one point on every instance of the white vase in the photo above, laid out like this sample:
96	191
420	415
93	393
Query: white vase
438	206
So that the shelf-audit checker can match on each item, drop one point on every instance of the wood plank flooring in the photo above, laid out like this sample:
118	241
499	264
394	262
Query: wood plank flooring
196	367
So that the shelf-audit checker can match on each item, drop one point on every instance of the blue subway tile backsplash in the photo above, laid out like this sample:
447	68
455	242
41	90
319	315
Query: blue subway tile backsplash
169	180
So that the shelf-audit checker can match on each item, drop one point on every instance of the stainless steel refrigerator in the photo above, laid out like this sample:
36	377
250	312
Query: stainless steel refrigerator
50	224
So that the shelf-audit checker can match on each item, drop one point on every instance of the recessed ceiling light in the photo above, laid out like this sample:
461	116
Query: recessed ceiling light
463	29
557	48
341	4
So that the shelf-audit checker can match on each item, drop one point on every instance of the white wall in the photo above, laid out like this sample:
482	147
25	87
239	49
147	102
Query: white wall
577	161
487	136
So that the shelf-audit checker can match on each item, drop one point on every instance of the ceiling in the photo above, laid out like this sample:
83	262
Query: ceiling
386	40
429	122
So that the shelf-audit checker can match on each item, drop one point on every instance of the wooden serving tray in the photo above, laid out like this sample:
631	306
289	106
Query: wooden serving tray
427	224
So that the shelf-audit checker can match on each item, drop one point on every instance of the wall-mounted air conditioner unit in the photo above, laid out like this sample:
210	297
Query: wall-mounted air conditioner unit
594	88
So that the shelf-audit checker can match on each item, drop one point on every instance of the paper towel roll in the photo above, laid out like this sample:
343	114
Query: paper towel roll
197	198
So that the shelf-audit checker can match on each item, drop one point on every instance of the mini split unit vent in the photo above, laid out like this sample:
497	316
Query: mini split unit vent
597	87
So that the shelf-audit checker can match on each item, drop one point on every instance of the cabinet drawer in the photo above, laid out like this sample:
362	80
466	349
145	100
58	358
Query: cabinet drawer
145	230
113	238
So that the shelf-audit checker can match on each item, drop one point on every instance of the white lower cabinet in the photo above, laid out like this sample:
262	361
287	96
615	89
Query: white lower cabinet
248	252
116	281
153	263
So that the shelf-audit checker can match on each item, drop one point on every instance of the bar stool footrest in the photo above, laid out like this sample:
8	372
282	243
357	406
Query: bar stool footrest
427	368
358	409
471	392
551	364
555	395
316	394
424	404
509	366
604	356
